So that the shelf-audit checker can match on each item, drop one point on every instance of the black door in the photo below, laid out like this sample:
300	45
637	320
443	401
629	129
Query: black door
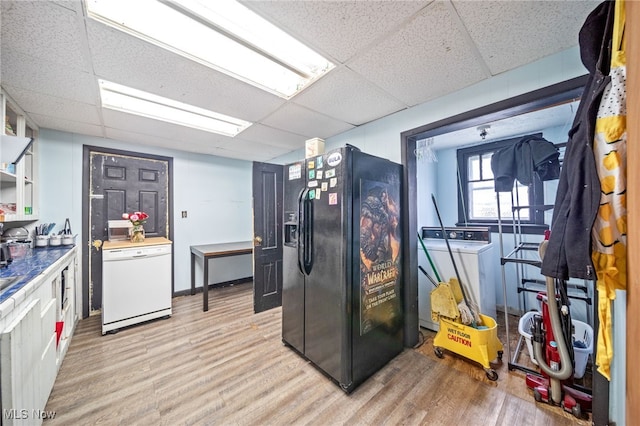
267	236
120	182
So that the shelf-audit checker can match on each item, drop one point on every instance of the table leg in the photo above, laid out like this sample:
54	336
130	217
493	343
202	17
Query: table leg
205	285
193	274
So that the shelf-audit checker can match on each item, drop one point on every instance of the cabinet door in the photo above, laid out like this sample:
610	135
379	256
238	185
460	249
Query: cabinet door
48	367
20	360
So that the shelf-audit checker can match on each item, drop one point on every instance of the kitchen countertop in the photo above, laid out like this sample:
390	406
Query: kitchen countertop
33	263
149	241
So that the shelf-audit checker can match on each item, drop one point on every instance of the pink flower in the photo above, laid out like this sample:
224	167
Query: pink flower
137	218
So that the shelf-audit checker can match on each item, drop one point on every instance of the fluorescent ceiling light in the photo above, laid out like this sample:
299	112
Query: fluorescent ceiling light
133	101
221	34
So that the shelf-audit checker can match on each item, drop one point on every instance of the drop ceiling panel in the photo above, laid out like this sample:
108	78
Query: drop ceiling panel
72	126
55	107
45	30
389	55
167	74
513	33
154	129
359	101
340	29
254	151
270	136
47	77
299	120
428	58
159	142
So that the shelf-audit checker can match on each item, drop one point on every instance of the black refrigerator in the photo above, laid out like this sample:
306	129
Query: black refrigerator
342	263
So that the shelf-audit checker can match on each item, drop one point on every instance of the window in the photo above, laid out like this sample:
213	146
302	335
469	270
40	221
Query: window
477	199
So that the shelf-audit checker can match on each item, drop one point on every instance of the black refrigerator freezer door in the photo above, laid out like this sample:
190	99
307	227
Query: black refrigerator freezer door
293	279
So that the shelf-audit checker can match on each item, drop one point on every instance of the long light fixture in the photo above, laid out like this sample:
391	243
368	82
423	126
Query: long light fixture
221	34
133	101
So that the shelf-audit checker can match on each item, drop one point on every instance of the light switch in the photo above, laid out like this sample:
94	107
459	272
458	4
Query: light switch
184	214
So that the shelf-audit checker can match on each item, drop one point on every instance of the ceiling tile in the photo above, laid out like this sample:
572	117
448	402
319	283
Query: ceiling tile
428	58
390	55
167	74
71	126
46	30
48	78
329	25
513	33
156	141
71	110
254	151
359	101
299	120
270	136
156	128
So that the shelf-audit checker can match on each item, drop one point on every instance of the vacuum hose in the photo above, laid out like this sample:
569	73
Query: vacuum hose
566	364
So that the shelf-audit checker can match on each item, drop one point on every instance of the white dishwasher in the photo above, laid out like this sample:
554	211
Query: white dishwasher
136	282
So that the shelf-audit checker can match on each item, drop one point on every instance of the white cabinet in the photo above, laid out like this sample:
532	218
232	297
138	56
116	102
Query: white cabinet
18	189
31	352
66	308
20	351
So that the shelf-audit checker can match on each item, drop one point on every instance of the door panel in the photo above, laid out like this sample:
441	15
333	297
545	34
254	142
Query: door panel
121	182
267	229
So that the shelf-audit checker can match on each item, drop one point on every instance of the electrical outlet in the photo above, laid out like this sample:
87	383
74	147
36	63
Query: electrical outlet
184	214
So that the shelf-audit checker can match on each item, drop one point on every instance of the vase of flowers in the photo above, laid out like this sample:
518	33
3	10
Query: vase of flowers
137	219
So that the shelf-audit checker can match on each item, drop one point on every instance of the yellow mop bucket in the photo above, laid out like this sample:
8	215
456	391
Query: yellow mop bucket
477	344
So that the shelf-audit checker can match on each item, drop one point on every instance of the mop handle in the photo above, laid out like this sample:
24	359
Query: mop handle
455	268
435	284
429	258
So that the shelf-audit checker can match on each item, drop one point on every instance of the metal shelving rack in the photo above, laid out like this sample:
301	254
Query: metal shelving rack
525	285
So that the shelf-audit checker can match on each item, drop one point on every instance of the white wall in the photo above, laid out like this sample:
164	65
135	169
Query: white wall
215	192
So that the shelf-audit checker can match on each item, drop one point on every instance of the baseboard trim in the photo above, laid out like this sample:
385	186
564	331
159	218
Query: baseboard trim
187	292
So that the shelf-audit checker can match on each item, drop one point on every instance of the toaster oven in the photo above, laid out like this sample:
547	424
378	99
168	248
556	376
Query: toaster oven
119	230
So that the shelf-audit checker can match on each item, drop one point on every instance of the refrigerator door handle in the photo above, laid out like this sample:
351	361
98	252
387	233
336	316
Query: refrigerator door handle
305	236
308	244
301	229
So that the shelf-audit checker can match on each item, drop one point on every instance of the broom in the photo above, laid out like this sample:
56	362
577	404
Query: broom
468	316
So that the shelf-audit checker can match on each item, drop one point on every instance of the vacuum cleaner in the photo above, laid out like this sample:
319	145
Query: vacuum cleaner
553	350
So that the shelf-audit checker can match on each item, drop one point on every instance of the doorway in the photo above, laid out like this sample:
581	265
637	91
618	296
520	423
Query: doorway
512	107
117	182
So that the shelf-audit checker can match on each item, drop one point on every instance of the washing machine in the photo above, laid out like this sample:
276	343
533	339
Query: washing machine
477	265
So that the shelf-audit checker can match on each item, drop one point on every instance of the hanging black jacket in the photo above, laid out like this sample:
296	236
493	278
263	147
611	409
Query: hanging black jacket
569	251
532	153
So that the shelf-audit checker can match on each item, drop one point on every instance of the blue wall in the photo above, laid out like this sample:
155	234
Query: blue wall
215	192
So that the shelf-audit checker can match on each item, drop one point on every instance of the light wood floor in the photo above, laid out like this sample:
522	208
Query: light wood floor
228	366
